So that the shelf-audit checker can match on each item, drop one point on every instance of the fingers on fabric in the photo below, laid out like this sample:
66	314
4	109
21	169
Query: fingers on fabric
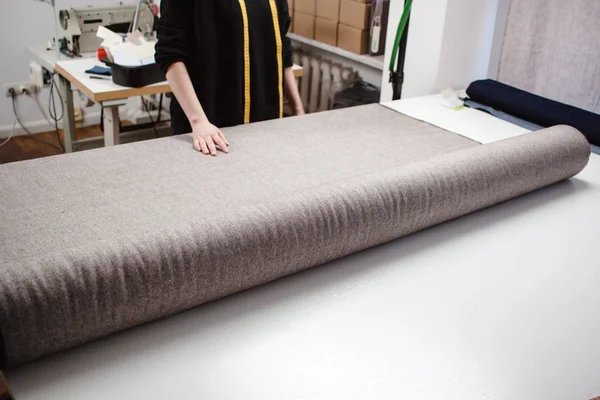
203	146
196	144
223	137
211	146
221	143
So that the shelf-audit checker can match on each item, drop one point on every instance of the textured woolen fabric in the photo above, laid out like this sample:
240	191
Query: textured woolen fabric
99	241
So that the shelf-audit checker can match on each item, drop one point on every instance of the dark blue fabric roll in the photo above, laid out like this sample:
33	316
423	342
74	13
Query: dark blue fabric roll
533	108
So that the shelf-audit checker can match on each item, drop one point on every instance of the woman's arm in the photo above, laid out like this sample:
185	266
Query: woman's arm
292	95
175	43
290	88
204	134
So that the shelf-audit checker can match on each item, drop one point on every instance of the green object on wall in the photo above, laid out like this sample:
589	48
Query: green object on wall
400	32
399	52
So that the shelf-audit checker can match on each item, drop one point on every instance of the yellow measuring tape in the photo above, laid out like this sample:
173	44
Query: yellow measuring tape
277	30
246	62
279	50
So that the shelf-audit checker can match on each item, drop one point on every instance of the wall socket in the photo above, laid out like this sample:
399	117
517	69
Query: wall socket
18	87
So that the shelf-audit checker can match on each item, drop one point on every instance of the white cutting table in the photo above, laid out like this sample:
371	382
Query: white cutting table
501	304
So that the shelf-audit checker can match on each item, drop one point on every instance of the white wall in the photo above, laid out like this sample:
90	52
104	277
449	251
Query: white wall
423	49
499	30
24	23
450	44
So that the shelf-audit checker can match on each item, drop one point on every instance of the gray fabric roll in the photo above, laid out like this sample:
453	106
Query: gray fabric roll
96	242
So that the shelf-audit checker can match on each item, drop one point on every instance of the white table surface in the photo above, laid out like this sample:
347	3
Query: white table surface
469	122
501	304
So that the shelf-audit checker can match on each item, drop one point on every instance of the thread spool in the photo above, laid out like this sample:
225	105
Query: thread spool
101	53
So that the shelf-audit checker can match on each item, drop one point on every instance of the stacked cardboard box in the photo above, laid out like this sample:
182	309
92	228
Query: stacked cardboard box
291	10
326	26
342	23
305	17
353	30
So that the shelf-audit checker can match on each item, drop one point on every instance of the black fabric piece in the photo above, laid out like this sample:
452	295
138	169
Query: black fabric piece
534	108
358	94
208	37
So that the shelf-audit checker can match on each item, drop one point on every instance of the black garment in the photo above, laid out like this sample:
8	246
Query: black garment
208	37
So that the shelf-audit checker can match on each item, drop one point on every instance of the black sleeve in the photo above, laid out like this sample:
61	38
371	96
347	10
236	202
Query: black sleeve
175	31
285	21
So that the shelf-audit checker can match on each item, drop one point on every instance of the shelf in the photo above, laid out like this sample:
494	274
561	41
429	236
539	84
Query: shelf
370	61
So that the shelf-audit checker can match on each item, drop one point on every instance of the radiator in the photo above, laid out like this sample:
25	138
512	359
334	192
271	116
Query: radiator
321	80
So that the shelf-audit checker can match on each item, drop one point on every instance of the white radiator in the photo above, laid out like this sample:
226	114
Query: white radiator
321	80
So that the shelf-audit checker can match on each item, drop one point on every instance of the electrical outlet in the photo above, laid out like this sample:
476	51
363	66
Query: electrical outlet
29	88
19	87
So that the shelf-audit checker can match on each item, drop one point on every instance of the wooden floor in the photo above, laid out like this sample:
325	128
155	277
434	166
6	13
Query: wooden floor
26	148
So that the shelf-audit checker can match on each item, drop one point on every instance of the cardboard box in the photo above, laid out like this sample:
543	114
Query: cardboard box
355	14
304	24
328	9
326	31
353	39
291	12
308	7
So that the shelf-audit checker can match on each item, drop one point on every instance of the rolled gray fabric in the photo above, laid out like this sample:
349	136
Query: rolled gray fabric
100	241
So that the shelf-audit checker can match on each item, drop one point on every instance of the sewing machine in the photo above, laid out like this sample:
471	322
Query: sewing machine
78	26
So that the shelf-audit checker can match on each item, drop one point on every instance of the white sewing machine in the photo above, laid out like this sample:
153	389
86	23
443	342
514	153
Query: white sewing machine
78	26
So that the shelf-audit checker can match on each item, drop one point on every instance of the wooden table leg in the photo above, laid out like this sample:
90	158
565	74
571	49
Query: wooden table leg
111	126
69	117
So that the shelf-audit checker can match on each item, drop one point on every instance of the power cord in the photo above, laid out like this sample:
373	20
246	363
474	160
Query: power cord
150	116
13	96
160	106
12	133
52	109
39	105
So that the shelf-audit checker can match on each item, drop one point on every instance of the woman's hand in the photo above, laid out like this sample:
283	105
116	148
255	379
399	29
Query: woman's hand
206	137
292	95
299	110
